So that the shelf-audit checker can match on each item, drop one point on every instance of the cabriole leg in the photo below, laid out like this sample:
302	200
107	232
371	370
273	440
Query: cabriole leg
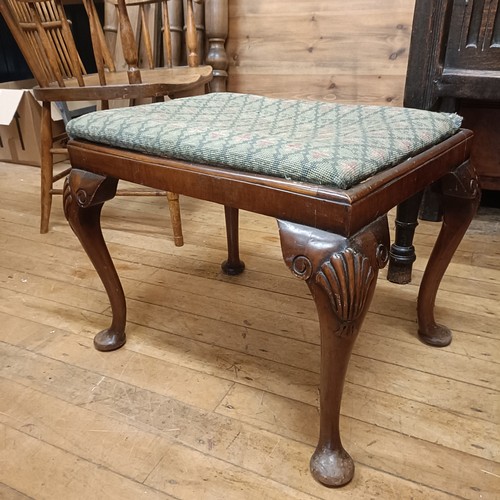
233	265
84	196
461	197
341	274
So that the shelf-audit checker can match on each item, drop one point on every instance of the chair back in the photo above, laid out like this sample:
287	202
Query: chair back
43	33
158	46
44	37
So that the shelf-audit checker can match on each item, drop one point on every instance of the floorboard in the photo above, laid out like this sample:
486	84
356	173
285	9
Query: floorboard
215	393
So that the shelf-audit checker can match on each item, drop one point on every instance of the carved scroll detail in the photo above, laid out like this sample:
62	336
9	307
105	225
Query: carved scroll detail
346	279
302	267
87	189
462	183
382	255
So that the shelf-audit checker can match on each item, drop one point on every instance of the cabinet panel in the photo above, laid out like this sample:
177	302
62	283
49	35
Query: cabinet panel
474	39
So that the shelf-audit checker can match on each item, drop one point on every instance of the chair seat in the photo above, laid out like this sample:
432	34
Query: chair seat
315	142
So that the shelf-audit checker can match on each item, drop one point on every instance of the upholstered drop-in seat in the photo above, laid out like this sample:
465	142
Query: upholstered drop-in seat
328	172
320	143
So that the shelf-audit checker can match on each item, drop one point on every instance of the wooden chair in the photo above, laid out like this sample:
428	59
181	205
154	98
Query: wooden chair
454	66
329	173
43	33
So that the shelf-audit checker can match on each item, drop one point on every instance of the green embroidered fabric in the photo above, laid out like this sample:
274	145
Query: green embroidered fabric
309	141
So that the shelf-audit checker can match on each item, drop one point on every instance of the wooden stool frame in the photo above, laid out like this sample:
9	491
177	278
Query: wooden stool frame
335	240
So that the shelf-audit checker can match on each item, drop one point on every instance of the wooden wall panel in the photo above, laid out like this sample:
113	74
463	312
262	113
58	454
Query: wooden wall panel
333	50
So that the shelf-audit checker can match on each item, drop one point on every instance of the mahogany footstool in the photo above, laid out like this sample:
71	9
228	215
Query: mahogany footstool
329	173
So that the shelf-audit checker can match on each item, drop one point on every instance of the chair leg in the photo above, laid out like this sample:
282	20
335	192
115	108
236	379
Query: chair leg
233	265
341	274
431	208
175	218
402	254
461	196
46	168
83	197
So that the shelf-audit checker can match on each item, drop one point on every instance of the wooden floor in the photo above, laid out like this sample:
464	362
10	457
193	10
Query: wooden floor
215	394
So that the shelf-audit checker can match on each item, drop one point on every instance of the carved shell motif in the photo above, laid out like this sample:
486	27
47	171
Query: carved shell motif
346	278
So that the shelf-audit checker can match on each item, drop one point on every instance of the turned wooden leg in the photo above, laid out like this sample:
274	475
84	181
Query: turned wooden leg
341	274
402	253
175	218
84	195
431	208
461	197
233	265
216	21
46	167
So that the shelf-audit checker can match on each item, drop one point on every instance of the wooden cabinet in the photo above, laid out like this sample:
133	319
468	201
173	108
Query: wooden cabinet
454	65
484	120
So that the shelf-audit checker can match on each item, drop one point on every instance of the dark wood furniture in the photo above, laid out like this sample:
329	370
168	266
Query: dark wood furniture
454	66
335	240
43	34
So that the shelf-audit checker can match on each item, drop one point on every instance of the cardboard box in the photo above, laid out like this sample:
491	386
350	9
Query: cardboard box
20	117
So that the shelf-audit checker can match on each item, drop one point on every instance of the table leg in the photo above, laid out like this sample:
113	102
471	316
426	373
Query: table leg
341	274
